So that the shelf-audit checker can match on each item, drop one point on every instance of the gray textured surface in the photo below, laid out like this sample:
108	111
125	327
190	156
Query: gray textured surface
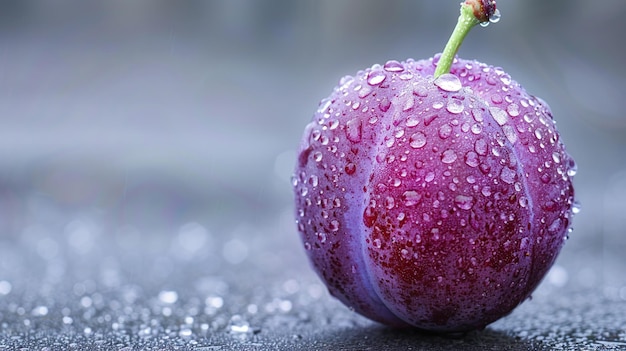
146	150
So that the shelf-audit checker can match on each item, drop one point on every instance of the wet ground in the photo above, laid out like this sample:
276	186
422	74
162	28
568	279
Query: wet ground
145	159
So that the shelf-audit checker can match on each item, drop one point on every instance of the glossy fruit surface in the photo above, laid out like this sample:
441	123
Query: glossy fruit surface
433	203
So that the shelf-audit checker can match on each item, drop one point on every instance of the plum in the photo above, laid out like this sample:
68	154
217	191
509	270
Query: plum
433	194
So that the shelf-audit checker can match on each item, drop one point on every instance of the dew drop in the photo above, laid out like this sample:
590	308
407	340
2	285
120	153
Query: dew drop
495	17
411	198
507	175
555	226
405	253
324	105
572	168
405	75
506	79
538	134
409	103
480	146
576	207
389	141
510	133
476	129
464	202
471	159
333	124
523	201
354	130
448	156
317	156
365	91
429	177
499	115
448	82
377	243
314	180
486	190
399	133
455	106
384	104
417	140
369	216
420	91
496	98
389	202
445	131
412	121
528	117
321	237
437	105
376	77
350	168
393	66
513	110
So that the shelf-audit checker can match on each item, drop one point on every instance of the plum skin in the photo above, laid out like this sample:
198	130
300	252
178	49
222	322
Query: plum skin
421	205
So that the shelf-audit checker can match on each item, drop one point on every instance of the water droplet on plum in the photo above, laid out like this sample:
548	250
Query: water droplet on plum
499	115
455	106
417	140
464	202
354	130
376	77
448	82
411	198
448	156
393	66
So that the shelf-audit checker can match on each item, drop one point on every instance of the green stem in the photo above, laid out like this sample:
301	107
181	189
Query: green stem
473	12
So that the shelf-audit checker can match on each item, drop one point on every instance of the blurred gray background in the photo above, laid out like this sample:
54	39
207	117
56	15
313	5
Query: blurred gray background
130	122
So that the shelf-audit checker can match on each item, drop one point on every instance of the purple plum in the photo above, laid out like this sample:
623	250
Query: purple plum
433	200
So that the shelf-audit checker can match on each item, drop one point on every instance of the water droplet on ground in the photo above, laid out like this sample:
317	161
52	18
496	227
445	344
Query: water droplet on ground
168	296
238	325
